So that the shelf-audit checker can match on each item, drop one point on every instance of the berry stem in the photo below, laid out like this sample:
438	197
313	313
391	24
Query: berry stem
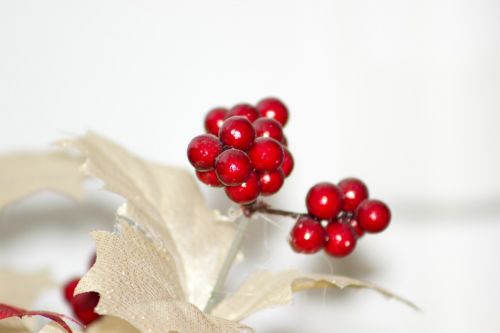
228	262
262	207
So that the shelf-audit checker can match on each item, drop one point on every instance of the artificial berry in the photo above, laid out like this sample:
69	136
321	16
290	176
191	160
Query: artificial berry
266	154
354	191
247	192
341	239
307	235
209	178
353	223
244	110
373	215
288	162
271	182
268	128
273	108
233	167
214	120
237	132
203	150
83	307
69	289
324	201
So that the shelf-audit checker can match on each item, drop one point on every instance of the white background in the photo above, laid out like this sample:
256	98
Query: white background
403	94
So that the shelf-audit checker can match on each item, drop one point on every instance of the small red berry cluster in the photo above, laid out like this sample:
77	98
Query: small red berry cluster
337	217
83	305
244	150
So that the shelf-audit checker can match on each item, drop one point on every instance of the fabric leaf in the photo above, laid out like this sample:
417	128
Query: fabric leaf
138	282
165	201
8	311
266	289
21	289
22	174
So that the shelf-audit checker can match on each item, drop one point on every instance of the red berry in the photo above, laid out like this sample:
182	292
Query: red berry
268	128
271	182
288	162
203	150
341	239
324	201
214	120
273	108
209	178
354	191
69	289
244	110
353	223
237	132
307	235
83	307
373	215
266	154
233	167
247	192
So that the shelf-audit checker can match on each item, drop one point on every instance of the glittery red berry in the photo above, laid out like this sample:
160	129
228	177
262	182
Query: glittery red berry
203	150
354	191
266	154
341	239
209	178
214	120
247	192
288	162
324	201
373	215
271	182
83	307
353	223
237	132
273	108
307	235
268	128
233	167
69	289
244	110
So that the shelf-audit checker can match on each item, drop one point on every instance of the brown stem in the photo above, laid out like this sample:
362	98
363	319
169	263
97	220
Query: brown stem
262	207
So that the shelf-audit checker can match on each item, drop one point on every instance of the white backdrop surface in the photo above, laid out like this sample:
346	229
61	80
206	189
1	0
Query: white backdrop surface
403	94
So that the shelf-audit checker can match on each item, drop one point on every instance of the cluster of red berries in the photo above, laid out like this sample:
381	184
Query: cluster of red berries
244	150
83	305
337	217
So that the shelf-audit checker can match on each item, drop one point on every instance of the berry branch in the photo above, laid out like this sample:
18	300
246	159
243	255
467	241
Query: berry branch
262	207
246	152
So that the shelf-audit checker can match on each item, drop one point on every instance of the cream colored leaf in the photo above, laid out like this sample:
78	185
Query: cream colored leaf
138	282
266	289
53	328
22	174
21	289
107	324
110	324
165	201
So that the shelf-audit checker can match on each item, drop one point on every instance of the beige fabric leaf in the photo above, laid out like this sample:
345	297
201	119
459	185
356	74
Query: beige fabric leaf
266	289
21	289
22	174
54	328
107	324
165	201
110	324
138	282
